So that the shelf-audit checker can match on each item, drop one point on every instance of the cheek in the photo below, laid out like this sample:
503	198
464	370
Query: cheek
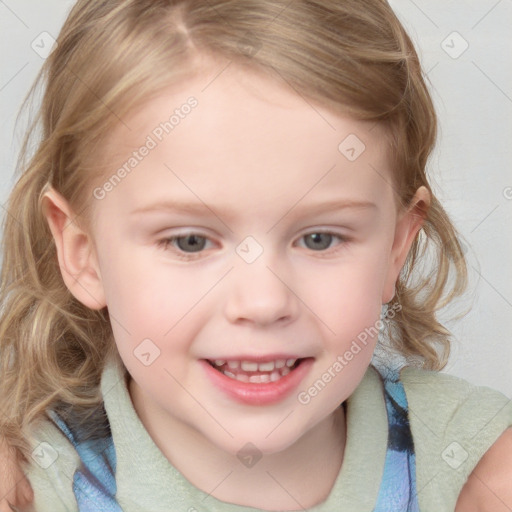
349	298
151	301
148	295
350	309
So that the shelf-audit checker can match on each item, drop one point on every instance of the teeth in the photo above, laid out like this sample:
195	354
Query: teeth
258	379
248	366
275	376
252	366
266	367
273	370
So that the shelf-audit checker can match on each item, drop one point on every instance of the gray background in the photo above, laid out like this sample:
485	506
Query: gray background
471	167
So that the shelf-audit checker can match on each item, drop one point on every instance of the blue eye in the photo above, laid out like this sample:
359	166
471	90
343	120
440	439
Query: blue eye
189	245
183	245
318	241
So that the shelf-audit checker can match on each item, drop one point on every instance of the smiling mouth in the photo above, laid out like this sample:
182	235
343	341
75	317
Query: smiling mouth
256	372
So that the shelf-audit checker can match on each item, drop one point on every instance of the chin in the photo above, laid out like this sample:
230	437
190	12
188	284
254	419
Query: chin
265	438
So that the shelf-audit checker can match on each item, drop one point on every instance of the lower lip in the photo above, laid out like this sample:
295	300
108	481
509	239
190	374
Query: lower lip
258	393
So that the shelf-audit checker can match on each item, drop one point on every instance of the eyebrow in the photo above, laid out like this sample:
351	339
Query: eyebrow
203	209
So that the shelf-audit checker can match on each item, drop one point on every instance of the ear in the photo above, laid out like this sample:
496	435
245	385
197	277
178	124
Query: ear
75	250
407	226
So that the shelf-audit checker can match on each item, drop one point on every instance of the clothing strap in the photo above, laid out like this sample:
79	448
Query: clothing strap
94	482
397	491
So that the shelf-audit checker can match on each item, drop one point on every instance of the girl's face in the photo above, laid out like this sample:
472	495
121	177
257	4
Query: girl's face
246	240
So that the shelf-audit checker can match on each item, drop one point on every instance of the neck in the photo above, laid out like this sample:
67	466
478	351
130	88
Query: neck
301	476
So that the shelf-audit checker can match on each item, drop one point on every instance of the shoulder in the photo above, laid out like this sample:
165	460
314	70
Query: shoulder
51	468
446	401
488	488
431	382
454	424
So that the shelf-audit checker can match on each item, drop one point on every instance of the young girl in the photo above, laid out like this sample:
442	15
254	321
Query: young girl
286	143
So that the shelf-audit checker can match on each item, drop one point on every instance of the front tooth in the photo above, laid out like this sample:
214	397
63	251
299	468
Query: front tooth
266	367
233	364
242	377
256	379
280	363
290	362
249	366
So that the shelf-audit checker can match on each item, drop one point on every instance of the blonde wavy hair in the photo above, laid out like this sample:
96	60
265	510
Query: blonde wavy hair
353	56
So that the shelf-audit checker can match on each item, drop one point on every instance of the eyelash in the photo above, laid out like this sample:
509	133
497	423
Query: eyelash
165	243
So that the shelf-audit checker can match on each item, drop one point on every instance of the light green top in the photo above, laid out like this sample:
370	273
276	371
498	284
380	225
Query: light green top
453	424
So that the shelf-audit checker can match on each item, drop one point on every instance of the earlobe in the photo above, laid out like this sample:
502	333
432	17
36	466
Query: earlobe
75	251
407	227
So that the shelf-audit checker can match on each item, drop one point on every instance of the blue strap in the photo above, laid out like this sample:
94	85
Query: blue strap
94	483
398	487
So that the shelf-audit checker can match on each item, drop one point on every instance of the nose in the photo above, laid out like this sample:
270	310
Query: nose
259	295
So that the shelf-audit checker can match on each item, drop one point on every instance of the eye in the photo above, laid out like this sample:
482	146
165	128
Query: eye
185	244
188	244
320	241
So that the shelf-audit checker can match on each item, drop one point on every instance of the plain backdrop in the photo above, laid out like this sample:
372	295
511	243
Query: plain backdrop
465	47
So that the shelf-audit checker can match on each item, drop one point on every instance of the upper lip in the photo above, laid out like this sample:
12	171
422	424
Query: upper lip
256	359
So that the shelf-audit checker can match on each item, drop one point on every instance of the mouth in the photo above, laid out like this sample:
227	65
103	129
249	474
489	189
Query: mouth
256	372
258	381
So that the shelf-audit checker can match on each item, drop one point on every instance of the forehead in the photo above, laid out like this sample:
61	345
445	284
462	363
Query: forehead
249	138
